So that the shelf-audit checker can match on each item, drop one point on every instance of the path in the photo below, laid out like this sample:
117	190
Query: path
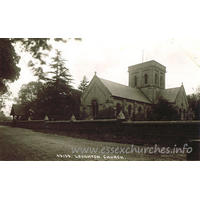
18	144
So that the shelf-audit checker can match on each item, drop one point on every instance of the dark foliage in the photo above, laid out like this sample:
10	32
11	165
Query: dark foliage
106	113
38	48
165	111
55	98
83	84
9	72
194	103
83	115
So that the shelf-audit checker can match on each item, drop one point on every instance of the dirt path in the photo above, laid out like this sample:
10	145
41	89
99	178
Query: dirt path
27	145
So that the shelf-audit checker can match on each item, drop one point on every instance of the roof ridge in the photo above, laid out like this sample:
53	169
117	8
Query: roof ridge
172	88
119	83
112	81
121	90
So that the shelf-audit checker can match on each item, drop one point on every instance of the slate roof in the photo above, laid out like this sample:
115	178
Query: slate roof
18	110
169	94
123	91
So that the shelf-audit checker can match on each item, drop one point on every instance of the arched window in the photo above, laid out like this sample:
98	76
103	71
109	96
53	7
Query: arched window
145	78
180	113
148	113
129	110
118	108
156	78
95	108
184	114
135	79
161	81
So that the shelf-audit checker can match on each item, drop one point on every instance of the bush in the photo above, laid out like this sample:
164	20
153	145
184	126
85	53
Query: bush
126	114
106	113
137	117
82	115
150	116
165	111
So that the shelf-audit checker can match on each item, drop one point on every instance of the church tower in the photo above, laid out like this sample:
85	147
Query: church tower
149	77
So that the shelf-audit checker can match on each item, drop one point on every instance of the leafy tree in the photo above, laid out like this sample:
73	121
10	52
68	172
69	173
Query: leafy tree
165	110
58	85
38	49
3	116
28	92
55	97
9	72
3	98
83	84
60	74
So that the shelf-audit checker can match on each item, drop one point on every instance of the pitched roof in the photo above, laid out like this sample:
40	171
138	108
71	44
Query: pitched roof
124	91
169	94
18	110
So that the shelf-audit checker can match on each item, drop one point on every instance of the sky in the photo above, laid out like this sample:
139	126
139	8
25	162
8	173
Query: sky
110	58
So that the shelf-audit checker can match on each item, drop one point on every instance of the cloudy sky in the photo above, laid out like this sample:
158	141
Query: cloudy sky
110	58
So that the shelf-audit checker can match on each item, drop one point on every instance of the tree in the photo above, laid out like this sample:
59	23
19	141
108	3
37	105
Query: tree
9	72
83	84
165	110
28	92
194	102
58	85
3	98
3	117
60	74
55	97
9	58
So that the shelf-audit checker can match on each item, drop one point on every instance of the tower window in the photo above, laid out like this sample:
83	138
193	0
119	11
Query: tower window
156	78
161	80
135	79
145	78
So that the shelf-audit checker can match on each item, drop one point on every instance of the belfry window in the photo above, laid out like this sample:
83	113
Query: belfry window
135	79
161	80
156	78
145	78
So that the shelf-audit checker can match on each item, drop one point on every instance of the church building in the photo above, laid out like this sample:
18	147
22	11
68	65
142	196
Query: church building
146	86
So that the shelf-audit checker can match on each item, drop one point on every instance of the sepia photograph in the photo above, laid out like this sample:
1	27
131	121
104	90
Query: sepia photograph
106	81
85	99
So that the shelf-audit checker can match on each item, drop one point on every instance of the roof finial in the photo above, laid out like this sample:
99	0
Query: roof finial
182	83
95	73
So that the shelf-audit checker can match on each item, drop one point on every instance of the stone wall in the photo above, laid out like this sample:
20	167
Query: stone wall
187	129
